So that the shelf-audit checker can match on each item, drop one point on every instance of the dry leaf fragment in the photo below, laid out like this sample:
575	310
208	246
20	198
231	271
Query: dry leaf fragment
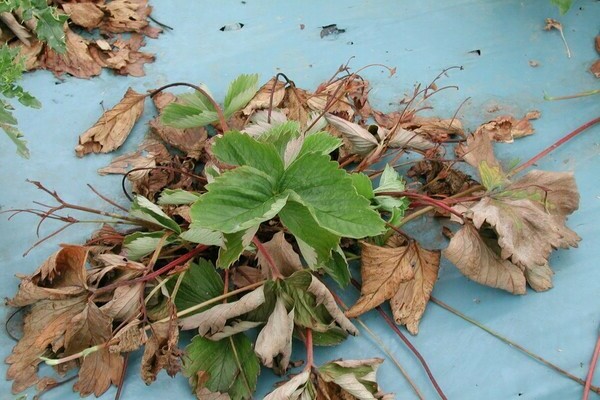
595	69
383	269
113	127
29	55
89	328
478	261
286	259
274	342
506	128
597	43
478	150
410	300
61	276
125	303
214	319
44	327
76	61
126	16
86	14
554	24
435	129
129	338
262	98
191	141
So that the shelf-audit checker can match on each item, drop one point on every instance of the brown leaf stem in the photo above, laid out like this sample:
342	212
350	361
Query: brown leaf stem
412	348
222	121
553	147
309	350
512	344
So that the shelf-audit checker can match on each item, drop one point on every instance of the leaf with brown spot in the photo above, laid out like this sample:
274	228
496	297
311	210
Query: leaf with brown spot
262	98
113	127
480	261
282	253
87	15
61	276
411	298
44	327
383	269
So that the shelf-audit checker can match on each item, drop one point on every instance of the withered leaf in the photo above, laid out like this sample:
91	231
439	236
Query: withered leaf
76	61
435	129
506	128
123	56
129	338
126	16
214	319
274	342
295	104
478	149
383	269
191	141
44	327
161	351
282	253
113	127
29	55
324	296
98	371
411	298
262	99
85	14
481	263
595	68
61	276
89	328
125	303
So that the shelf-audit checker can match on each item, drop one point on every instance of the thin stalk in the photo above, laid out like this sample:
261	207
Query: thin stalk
558	143
309	350
590	375
511	343
572	96
157	288
106	199
218	109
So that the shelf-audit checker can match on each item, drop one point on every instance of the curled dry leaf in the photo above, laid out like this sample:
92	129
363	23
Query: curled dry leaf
122	55
214	319
161	351
506	128
479	260
129	338
324	296
435	129
76	61
113	127
191	141
383	269
274	342
292	389
61	276
478	150
86	15
262	99
361	140
286	259
441	178
351	379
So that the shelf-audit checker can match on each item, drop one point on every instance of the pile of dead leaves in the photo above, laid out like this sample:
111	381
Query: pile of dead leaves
125	289
108	21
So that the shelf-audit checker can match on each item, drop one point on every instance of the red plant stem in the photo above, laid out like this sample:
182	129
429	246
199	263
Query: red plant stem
309	350
560	142
274	271
412	348
590	375
175	263
426	200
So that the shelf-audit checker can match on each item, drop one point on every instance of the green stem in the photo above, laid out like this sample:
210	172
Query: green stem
511	343
572	96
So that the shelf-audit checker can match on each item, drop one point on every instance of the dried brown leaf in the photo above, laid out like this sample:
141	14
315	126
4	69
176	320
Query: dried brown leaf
274	342
479	260
30	55
126	16
98	371
76	61
295	104
435	129
245	275
262	98
161	351
410	300
43	328
129	338
383	269
506	128
61	276
113	127
87	15
282	253
190	141
477	150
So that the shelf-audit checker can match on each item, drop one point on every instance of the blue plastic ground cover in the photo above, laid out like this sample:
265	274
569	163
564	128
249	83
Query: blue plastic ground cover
419	39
